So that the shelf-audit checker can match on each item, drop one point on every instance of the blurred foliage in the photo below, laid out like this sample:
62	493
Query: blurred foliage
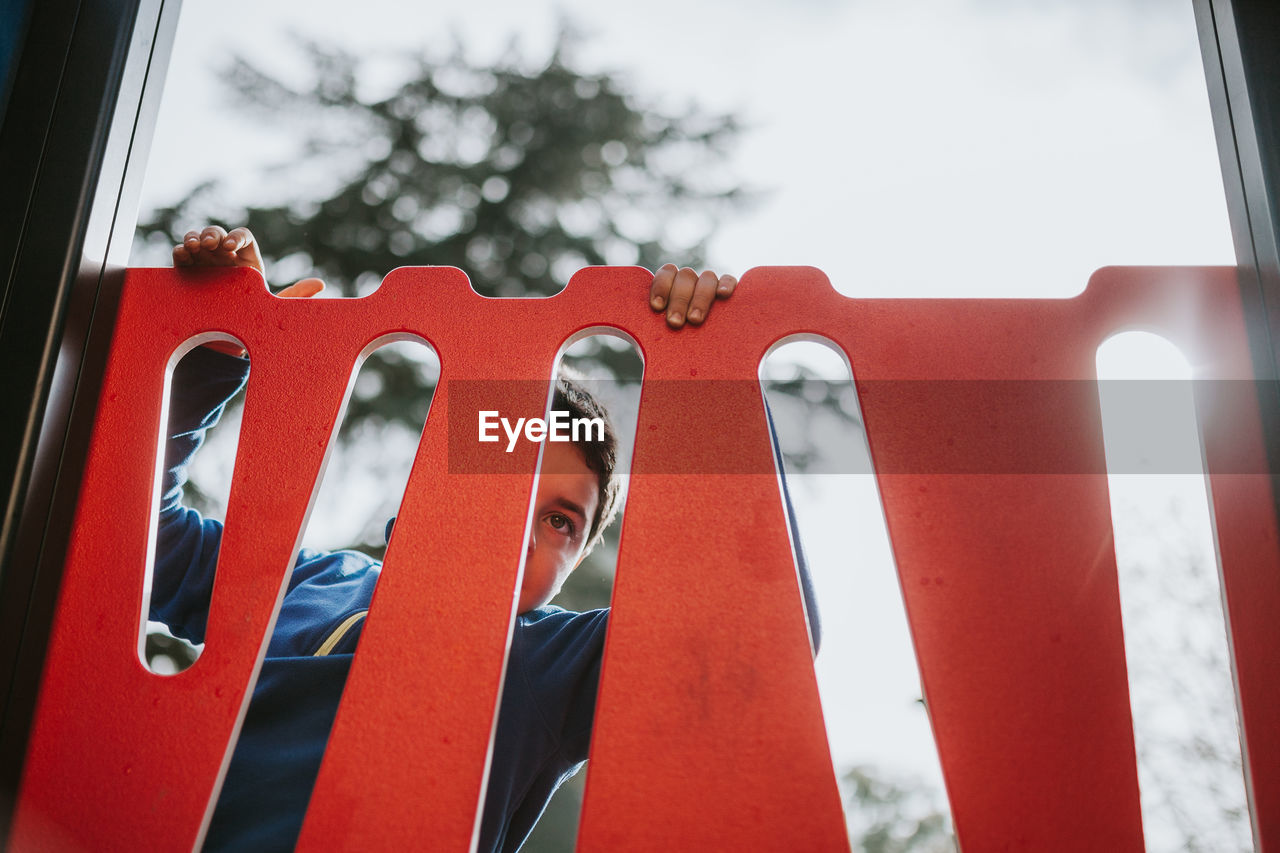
894	816
518	176
167	654
1190	765
885	816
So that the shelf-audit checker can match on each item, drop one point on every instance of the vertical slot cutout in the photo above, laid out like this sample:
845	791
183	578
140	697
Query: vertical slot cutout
175	608
373	448
881	742
359	489
1180	686
609	367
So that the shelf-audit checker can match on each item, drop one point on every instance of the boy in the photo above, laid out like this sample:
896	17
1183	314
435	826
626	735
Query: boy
544	723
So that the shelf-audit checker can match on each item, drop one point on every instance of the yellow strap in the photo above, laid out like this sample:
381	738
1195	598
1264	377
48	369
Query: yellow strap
339	633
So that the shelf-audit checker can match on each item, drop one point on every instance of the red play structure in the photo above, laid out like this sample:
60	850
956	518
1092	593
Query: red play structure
707	737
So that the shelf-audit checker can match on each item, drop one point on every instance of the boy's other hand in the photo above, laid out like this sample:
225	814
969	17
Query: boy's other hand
214	246
687	296
302	288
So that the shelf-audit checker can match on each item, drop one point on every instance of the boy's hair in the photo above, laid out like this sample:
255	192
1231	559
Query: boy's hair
600	456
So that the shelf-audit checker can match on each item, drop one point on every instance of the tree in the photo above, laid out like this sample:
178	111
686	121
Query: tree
893	816
1190	767
518	174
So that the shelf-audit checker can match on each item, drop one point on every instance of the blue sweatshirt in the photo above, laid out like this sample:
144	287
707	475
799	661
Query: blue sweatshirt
548	699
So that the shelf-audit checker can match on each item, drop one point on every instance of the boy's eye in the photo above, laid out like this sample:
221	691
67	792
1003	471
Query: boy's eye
562	523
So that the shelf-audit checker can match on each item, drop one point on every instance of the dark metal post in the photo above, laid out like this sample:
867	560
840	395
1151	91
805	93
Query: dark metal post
84	88
1240	45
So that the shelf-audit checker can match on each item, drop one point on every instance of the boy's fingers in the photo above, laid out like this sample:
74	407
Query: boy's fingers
304	288
212	236
687	296
241	244
681	293
237	239
660	290
728	284
704	293
217	247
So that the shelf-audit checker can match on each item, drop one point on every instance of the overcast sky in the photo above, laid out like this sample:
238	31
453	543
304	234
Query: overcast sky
981	147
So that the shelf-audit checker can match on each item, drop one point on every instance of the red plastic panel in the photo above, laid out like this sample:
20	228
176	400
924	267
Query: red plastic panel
708	731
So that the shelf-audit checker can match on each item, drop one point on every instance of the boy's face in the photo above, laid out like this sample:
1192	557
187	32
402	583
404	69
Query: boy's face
568	494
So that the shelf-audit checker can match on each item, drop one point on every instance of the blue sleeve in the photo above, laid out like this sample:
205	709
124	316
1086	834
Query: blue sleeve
186	543
545	719
802	565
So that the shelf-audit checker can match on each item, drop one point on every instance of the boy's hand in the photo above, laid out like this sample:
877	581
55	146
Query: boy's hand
215	247
687	296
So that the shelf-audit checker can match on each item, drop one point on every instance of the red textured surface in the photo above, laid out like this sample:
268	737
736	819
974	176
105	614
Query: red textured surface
708	735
